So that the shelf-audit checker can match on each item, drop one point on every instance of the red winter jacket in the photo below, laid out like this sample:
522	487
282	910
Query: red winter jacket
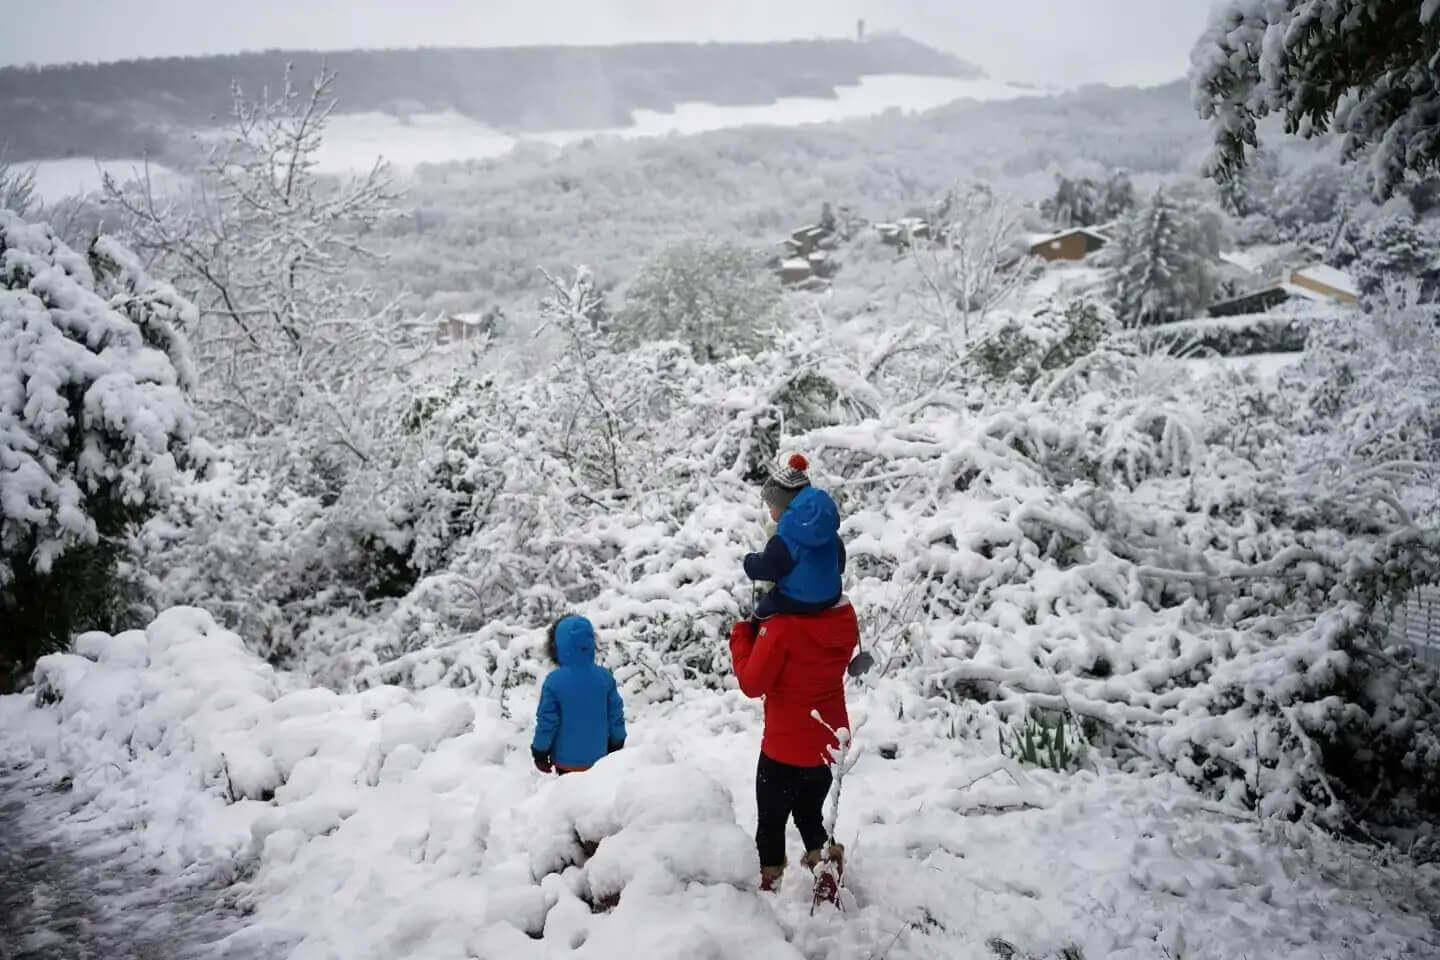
797	663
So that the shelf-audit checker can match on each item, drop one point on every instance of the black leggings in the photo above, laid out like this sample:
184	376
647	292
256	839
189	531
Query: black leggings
780	792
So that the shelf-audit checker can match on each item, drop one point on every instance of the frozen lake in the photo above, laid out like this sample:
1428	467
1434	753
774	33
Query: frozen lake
355	140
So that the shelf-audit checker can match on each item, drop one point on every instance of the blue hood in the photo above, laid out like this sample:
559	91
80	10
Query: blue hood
575	642
811	519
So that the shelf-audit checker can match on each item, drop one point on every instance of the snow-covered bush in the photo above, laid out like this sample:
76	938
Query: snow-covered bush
1279	331
1395	248
1052	339
17	187
715	296
95	423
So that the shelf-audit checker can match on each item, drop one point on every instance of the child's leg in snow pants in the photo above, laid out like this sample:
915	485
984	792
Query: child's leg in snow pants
780	792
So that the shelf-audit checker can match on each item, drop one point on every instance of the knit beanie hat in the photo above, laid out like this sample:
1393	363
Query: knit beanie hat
785	482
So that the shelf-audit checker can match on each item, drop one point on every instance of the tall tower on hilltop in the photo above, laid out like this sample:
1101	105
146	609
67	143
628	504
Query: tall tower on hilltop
860	30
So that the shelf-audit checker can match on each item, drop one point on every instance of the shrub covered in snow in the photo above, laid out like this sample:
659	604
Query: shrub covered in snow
95	422
715	296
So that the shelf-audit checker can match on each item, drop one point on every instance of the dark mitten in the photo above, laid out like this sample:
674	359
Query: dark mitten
542	760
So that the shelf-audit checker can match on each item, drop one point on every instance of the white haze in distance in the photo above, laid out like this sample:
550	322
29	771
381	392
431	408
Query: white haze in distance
1055	43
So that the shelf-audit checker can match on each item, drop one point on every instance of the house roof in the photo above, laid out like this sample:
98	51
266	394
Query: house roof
1038	239
1291	290
1296	290
1330	277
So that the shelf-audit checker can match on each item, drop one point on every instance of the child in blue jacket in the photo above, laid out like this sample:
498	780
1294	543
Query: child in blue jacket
805	558
581	717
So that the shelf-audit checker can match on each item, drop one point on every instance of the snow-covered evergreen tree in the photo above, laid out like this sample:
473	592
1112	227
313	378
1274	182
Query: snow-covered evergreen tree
95	421
1165	260
1367	66
1075	203
1117	197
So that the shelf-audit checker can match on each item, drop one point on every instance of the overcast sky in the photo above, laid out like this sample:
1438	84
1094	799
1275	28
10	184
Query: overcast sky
1051	42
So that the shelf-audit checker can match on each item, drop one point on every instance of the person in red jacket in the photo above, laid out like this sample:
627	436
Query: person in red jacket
797	663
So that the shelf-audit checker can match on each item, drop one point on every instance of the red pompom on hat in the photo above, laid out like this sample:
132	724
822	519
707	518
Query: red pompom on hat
786	481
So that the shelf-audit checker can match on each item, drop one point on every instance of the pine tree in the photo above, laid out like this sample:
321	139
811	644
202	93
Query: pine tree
1117	197
1075	203
1165	261
1367	66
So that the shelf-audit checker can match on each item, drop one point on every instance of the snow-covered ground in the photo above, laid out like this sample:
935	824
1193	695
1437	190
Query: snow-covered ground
393	823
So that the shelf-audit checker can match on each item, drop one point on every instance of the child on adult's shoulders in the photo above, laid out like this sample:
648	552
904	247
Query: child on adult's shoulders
805	558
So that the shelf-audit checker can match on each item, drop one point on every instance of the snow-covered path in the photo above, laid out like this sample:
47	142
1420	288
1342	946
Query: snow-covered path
80	894
393	823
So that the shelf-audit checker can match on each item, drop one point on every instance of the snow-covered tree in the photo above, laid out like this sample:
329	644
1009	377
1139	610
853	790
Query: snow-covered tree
95	422
974	263
1165	257
1117	196
1249	191
591	442
1075	203
713	295
292	346
1396	248
1366	66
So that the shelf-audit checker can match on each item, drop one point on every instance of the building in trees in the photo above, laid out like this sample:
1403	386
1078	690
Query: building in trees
1317	283
1074	244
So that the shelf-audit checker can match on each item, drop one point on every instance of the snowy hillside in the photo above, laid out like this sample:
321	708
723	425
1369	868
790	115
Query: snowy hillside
393	822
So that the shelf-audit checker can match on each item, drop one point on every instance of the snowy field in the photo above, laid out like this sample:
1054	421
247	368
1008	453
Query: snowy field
394	823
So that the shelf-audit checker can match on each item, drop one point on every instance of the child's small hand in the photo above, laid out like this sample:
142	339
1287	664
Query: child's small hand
542	760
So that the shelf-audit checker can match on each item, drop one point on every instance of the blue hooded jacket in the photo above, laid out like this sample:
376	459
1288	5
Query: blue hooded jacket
580	711
806	561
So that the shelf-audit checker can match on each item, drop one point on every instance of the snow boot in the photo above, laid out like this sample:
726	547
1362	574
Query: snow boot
770	878
828	866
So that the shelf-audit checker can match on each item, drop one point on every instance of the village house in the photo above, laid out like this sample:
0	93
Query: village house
1077	243
1317	283
899	233
804	258
461	327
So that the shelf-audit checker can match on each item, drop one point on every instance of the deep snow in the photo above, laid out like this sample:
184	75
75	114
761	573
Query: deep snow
393	823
